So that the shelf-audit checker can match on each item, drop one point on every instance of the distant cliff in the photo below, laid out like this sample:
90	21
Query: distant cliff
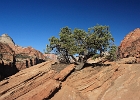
14	58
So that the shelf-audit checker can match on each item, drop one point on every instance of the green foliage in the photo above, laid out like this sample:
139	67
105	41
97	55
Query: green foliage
95	56
23	56
112	53
94	42
100	38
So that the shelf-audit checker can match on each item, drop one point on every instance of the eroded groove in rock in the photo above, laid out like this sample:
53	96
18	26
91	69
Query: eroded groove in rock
26	80
37	82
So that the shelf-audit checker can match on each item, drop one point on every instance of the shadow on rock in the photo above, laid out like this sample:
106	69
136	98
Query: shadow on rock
7	70
95	65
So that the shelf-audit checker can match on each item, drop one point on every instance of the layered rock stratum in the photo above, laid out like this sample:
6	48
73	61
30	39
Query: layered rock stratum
112	81
14	58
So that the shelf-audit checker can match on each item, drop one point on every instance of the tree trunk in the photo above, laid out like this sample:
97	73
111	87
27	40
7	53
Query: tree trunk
73	58
79	64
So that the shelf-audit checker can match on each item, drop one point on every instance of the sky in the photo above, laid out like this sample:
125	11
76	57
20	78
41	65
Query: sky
33	22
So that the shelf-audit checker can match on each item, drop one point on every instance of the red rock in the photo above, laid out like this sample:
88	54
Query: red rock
28	51
27	57
42	91
6	53
21	57
64	72
7	66
126	86
130	46
51	56
15	58
117	82
68	93
129	60
29	84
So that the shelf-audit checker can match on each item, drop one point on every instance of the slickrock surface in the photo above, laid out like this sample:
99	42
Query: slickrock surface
26	81
41	82
130	46
126	86
34	83
63	74
114	82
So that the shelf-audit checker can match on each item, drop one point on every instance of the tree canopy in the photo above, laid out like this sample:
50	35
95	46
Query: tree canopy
96	40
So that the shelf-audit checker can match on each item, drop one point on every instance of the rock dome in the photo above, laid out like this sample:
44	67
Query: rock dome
130	46
4	38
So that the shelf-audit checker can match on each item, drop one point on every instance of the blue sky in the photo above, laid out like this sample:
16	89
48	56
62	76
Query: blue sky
33	22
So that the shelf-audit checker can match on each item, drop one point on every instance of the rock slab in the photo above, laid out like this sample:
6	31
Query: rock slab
114	82
34	83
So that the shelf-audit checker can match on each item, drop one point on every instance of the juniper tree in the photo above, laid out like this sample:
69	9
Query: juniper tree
79	42
112	53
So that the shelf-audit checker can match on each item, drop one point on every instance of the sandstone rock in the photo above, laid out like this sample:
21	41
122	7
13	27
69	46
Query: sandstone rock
37	81
51	56
34	83
27	57
117	81
113	82
130	46
64	72
107	83
7	61
42	91
4	38
6	53
94	81
126	86
14	58
68	93
19	56
97	60
129	60
27	51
